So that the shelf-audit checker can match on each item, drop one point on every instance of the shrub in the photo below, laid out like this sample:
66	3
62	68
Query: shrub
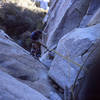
18	19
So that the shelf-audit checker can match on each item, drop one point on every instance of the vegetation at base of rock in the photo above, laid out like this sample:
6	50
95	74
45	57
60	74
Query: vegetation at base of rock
18	17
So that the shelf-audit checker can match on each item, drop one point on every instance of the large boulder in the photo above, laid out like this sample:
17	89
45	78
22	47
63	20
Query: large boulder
54	17
73	49
11	89
66	16
18	62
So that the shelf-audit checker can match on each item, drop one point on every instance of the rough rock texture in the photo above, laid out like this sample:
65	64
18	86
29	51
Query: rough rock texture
95	19
76	45
11	89
63	17
54	96
18	62
67	17
76	25
47	58
43	86
53	18
54	9
93	6
55	15
88	87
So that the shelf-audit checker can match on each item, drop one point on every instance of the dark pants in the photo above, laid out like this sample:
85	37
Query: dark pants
36	49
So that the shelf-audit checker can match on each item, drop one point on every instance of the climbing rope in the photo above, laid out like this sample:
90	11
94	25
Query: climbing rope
73	62
81	68
64	57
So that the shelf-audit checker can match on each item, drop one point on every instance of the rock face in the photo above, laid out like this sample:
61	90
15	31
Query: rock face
46	60
75	45
11	89
93	6
89	88
63	17
66	16
54	96
57	11
43	86
53	19
73	31
95	19
73	26
18	62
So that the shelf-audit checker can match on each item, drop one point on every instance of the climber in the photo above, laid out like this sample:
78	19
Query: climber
36	37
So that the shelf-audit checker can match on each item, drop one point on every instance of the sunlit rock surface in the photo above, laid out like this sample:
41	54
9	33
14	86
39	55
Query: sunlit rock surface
95	19
62	18
93	7
65	16
18	62
75	45
11	89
